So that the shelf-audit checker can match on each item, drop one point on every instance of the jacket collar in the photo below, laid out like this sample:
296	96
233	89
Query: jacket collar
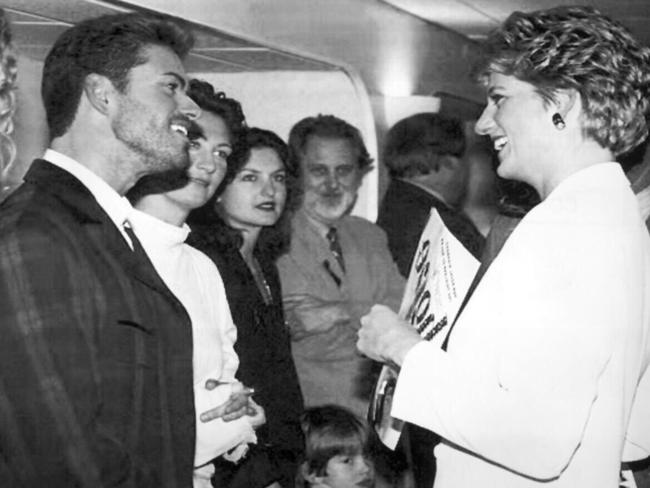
57	182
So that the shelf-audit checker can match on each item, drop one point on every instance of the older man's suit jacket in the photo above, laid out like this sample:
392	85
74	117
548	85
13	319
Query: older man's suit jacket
95	351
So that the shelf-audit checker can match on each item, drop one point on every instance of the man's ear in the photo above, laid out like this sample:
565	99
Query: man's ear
98	90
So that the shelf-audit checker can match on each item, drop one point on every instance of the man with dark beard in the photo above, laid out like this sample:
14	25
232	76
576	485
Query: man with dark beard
96	352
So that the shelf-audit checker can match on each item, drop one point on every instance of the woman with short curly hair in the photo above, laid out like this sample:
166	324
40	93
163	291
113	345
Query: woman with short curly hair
544	379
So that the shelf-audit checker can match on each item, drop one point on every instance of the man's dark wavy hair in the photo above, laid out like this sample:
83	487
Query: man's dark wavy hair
110	45
415	144
579	48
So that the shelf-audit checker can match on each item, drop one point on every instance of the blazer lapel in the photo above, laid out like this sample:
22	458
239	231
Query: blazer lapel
95	221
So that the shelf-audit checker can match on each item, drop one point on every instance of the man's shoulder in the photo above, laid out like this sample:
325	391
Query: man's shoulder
30	208
403	198
356	221
361	228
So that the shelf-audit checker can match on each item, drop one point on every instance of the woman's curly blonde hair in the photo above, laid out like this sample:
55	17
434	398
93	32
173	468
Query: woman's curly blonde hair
582	49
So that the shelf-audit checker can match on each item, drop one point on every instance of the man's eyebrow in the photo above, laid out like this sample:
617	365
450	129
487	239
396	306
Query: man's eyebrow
181	80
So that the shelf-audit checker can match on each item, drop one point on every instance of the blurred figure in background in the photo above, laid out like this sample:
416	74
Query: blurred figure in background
429	166
424	156
8	73
337	265
482	197
243	229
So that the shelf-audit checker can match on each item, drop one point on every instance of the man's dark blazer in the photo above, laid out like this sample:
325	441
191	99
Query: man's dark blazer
403	214
95	352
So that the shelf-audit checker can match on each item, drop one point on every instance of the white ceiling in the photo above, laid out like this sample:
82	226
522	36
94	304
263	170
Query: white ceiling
36	24
384	42
475	18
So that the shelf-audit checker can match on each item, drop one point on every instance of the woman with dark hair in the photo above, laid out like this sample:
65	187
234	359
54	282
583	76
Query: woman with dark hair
544	379
244	228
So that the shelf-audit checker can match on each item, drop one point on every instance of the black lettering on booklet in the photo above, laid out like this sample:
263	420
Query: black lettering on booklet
419	314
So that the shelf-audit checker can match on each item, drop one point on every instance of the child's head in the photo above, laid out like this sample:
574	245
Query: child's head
335	449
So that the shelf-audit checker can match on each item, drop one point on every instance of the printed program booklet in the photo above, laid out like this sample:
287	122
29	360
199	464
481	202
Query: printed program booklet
440	276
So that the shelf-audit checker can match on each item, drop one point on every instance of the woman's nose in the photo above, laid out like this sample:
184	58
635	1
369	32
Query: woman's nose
485	121
269	188
207	163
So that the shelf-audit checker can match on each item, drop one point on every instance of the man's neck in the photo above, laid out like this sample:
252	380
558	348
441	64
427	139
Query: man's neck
321	227
118	173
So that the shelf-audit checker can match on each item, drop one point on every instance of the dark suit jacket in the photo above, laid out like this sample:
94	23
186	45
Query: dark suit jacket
95	351
403	214
265	361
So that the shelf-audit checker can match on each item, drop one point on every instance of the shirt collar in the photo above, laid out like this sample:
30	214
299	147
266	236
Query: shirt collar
148	227
116	206
321	228
426	189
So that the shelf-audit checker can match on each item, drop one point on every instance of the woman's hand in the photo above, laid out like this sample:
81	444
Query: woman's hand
238	405
385	337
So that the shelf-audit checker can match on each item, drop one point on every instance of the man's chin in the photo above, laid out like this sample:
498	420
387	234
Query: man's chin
327	214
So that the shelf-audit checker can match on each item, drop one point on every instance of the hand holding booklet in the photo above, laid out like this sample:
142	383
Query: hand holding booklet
440	276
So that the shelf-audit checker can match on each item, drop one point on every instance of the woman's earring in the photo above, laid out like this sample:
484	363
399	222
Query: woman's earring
558	121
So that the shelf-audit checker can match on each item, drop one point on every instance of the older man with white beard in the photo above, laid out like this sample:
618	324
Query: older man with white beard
338	265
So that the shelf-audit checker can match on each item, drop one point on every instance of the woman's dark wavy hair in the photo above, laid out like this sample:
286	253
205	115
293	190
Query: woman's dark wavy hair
217	103
273	240
579	48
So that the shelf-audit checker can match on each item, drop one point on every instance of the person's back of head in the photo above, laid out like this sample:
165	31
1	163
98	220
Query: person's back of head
414	145
336	449
110	45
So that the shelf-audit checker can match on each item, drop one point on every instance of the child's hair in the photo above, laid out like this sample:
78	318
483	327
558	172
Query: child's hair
331	430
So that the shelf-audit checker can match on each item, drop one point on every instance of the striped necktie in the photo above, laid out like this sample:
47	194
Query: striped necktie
335	246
